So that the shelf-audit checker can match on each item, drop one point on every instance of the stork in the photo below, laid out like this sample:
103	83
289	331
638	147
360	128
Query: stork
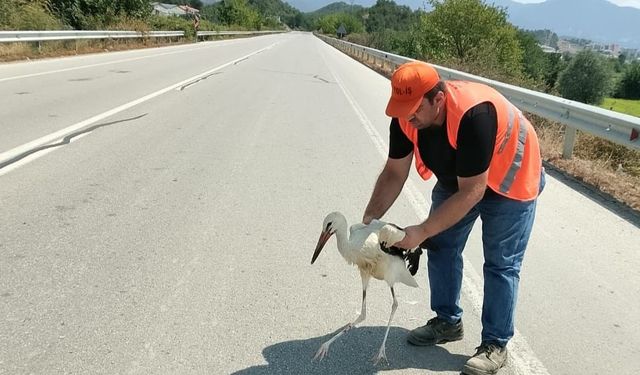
366	248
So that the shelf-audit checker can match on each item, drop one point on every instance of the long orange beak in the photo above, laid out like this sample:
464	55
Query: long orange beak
324	237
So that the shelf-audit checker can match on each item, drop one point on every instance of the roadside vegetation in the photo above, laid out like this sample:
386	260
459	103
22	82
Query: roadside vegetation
135	15
467	35
628	106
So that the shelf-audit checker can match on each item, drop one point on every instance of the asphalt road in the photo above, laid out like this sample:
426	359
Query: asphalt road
160	208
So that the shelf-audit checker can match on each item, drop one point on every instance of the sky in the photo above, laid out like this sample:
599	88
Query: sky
622	3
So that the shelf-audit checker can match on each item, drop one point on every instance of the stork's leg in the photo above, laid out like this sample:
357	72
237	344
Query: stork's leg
324	348
381	353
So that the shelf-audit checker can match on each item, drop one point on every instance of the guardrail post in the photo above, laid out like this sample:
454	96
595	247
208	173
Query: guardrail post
569	142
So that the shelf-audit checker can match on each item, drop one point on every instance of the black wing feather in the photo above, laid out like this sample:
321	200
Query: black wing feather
411	258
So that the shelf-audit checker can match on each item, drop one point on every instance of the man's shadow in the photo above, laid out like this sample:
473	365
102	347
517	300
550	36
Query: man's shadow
352	354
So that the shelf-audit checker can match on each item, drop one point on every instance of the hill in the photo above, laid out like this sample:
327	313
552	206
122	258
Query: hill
274	8
339	7
597	20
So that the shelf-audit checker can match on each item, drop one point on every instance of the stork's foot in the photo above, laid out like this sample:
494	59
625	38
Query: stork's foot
324	348
382	355
322	351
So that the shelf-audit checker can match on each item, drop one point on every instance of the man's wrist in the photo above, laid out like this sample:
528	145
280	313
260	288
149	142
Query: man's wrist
425	231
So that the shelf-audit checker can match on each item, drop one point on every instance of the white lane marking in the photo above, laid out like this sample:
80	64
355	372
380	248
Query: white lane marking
5	156
36	155
523	360
25	160
103	63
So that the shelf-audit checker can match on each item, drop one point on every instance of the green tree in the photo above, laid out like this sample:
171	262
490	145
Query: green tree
90	14
629	86
555	64
276	12
386	14
471	33
546	37
534	60
239	13
211	13
329	24
27	15
298	21
586	78
622	58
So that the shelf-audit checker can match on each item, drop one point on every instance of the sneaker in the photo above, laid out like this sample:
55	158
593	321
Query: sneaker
489	358
436	331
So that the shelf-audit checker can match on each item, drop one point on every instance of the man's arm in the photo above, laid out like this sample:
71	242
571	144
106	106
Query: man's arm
387	188
470	192
476	141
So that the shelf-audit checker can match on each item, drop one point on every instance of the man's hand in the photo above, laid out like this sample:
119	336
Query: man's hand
414	236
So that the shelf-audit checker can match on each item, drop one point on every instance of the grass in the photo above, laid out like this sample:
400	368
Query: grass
630	107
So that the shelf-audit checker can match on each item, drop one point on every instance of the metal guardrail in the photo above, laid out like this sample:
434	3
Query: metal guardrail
41	36
218	33
613	126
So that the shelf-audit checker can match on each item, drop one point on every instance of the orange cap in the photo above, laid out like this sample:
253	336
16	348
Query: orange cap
409	83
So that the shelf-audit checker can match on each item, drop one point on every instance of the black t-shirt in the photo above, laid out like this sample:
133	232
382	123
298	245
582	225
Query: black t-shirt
476	140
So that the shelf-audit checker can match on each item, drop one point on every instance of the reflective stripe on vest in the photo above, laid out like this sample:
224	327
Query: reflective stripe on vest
505	186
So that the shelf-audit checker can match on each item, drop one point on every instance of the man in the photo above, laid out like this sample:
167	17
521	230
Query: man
486	158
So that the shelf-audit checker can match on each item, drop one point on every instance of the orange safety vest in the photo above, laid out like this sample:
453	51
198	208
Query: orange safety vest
515	167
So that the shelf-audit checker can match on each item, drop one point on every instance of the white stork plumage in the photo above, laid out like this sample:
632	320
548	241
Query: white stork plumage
366	247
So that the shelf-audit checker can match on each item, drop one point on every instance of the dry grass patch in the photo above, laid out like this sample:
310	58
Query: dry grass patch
27	51
13	51
621	186
610	168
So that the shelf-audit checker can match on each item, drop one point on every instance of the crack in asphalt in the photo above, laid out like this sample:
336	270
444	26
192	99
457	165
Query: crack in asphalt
66	140
197	80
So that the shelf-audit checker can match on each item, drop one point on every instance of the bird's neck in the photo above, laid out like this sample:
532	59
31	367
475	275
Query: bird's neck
343	242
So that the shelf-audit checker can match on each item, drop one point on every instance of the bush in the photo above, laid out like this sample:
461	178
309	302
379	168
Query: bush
586	78
172	24
629	86
27	15
330	23
98	14
399	42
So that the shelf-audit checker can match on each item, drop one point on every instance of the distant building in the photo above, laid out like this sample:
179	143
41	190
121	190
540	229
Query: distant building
615	49
565	46
189	10
547	49
609	50
168	10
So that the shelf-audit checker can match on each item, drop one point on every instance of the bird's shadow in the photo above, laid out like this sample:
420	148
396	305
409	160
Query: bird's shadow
352	354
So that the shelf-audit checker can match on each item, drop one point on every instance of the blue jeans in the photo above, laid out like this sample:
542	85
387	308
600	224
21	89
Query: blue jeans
506	226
